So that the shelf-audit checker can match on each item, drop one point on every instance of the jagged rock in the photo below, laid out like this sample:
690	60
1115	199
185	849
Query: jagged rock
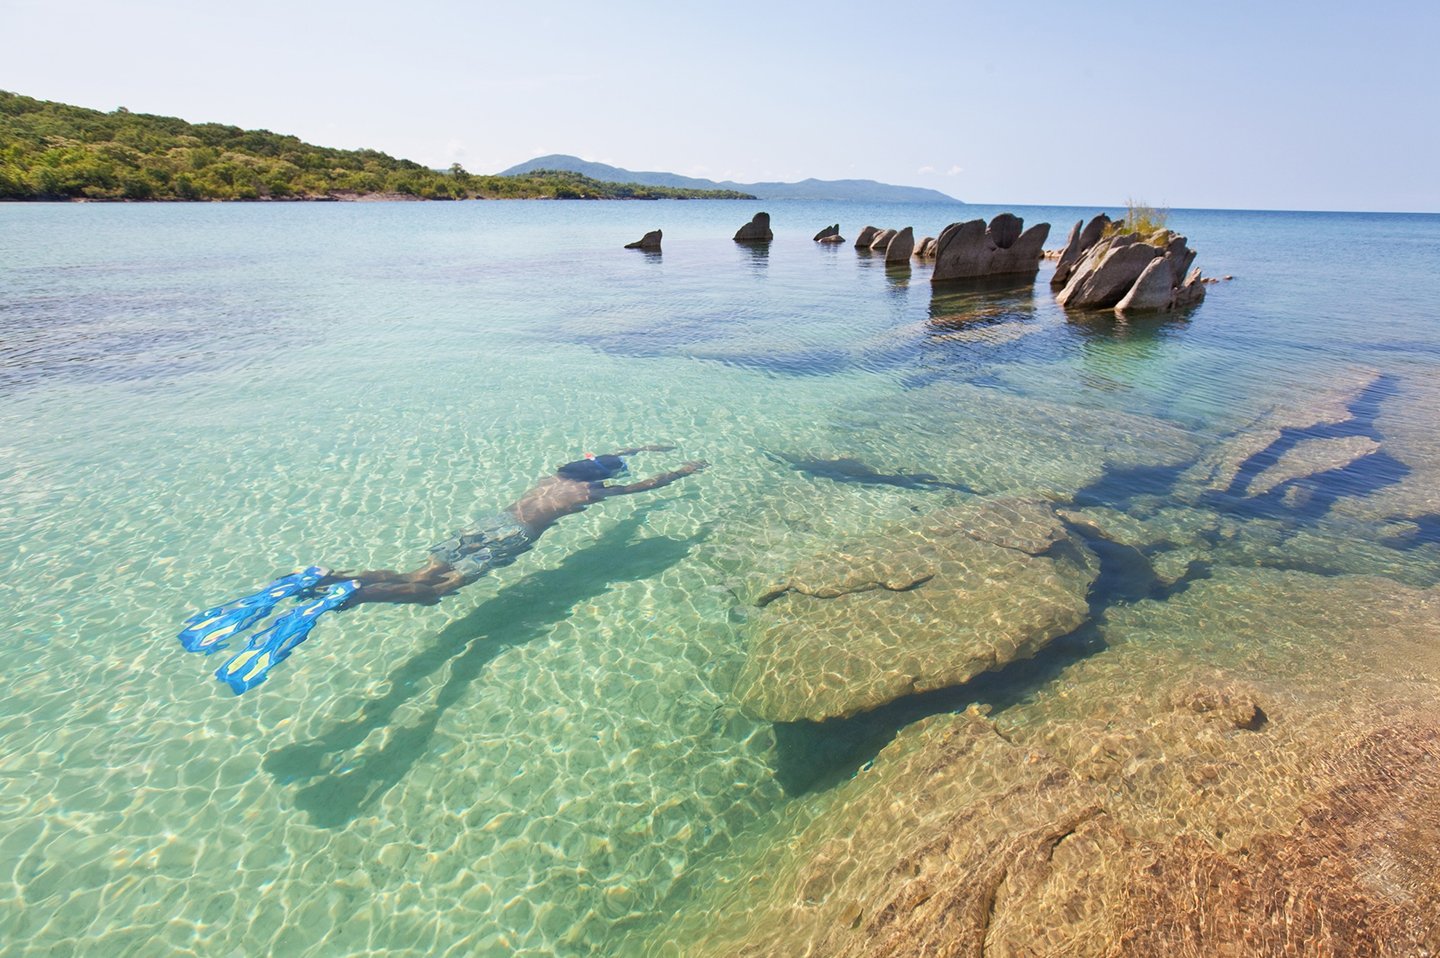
1080	241
829	234
650	241
755	231
1310	457
1128	271
1330	406
898	250
866	237
964	591
925	249
881	242
972	250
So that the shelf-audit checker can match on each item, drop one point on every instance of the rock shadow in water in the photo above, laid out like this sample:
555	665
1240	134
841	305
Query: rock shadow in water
343	786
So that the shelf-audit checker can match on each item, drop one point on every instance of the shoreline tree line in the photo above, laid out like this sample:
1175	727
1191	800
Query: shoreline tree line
54	151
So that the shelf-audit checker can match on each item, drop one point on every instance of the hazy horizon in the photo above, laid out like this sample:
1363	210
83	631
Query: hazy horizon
1238	108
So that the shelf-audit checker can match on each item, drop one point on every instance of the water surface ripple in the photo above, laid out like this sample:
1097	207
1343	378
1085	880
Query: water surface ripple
196	397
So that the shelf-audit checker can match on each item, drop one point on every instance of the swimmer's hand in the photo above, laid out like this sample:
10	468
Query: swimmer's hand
656	449
690	468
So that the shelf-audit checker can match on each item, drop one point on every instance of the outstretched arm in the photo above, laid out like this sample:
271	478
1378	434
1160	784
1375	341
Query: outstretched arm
655	482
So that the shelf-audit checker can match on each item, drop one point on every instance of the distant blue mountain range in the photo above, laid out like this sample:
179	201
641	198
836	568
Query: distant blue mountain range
867	191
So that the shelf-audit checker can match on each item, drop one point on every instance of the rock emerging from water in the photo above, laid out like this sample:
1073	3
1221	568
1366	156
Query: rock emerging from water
925	249
881	242
901	245
1081	239
830	234
1129	272
755	231
974	251
965	591
650	241
866	237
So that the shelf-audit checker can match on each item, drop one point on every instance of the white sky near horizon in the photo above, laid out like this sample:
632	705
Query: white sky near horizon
1278	105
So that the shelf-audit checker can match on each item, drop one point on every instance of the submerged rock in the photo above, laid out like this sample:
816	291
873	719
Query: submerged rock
1329	406
755	231
966	590
1406	423
1205	785
650	241
900	247
1001	443
973	250
1311	457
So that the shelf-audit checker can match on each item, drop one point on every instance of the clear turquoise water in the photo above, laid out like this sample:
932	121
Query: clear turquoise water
194	398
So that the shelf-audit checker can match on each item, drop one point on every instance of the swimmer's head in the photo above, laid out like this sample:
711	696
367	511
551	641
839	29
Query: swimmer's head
593	468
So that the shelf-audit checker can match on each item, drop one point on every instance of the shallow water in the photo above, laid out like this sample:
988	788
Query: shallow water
194	398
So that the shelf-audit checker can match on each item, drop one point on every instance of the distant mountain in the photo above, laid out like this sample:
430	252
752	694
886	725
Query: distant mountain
863	190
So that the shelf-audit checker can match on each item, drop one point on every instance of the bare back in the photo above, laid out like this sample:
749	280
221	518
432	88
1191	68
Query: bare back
554	498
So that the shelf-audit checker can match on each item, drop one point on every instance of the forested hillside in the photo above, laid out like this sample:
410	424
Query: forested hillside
56	151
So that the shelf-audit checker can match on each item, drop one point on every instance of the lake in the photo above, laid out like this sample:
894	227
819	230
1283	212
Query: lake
197	398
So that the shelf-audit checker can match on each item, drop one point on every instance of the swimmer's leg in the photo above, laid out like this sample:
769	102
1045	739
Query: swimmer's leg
269	648
207	631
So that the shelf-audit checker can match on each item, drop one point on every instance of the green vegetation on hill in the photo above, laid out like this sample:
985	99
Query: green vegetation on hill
52	151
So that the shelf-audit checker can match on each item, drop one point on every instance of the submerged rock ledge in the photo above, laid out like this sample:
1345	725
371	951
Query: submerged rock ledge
966	590
1199	797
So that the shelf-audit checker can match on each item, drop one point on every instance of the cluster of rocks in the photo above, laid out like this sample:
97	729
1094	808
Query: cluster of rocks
974	250
1106	266
895	245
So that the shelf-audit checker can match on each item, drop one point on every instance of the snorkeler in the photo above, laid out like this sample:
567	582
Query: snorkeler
489	544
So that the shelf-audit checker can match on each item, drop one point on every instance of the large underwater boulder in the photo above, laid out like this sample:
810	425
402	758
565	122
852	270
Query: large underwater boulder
926	606
1209	783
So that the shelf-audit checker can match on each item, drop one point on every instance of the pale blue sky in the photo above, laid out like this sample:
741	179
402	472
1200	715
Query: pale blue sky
1282	105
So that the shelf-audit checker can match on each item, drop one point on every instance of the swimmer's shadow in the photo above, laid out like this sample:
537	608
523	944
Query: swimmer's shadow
344	786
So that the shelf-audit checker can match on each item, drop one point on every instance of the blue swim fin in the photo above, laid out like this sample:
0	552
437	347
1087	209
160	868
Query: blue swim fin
269	648
207	631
